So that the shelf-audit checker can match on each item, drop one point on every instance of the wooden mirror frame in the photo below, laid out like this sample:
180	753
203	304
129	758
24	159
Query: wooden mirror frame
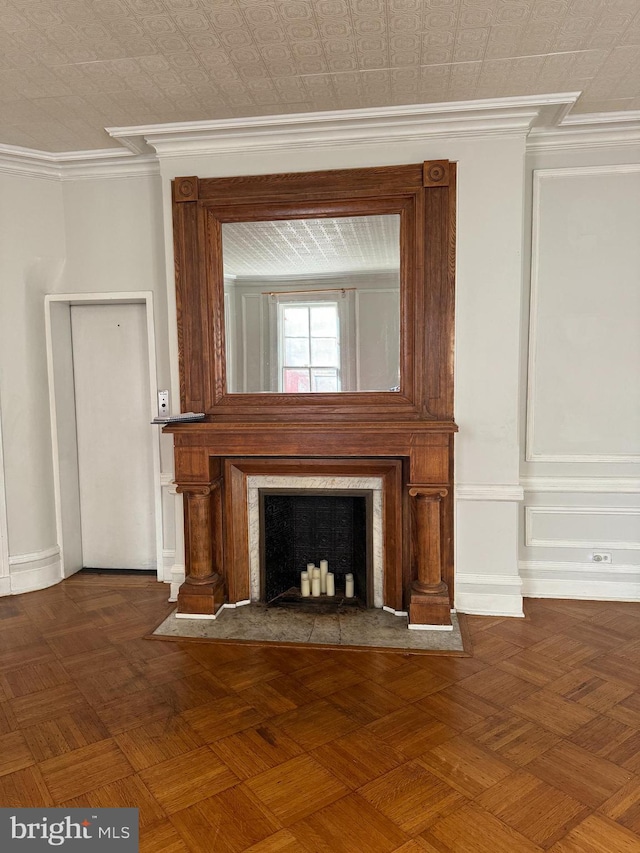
424	197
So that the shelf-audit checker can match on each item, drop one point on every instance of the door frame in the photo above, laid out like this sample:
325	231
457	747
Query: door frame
141	297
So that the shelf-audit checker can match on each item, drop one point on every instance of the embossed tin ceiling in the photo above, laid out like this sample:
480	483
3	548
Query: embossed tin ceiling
307	246
70	68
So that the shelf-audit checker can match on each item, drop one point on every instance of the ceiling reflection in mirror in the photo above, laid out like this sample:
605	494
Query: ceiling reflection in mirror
312	305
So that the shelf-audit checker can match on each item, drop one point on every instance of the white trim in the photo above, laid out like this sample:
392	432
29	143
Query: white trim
590	458
167	480
580	580
75	165
331	128
587	131
530	455
582	485
489	595
36	570
213	616
144	297
578	171
543	119
4	524
34	556
492	580
395	612
531	541
416	627
590	119
489	492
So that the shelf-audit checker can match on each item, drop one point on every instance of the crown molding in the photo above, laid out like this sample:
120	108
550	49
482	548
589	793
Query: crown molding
544	121
75	165
456	119
587	130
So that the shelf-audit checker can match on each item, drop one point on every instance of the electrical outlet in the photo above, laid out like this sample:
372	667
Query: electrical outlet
600	557
163	403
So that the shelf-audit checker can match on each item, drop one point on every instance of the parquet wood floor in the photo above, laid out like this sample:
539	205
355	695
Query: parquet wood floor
532	744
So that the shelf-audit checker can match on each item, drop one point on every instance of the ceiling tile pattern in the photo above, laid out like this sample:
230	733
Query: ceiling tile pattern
69	68
311	246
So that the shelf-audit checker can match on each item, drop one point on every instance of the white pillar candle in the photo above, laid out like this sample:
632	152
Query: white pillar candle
348	586
331	584
305	589
315	573
310	568
315	586
324	568
304	576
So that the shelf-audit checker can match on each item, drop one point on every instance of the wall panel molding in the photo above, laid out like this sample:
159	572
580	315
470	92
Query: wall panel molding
539	176
531	540
582	485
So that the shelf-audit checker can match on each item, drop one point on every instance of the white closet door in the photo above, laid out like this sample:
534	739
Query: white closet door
111	375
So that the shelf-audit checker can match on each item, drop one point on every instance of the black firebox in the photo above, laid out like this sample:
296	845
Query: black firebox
297	528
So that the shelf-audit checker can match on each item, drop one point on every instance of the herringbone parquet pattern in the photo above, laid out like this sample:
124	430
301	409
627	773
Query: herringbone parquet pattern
532	744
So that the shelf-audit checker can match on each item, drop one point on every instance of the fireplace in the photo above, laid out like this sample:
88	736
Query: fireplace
318	511
298	528
401	432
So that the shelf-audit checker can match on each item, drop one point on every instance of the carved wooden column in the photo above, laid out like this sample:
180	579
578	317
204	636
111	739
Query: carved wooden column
203	589
429	597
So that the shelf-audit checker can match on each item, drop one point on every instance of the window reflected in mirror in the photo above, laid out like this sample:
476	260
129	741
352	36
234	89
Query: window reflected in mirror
312	305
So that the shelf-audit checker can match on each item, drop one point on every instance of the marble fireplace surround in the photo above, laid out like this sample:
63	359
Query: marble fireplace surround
327	484
245	477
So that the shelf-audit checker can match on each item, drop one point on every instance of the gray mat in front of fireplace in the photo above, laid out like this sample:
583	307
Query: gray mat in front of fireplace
255	623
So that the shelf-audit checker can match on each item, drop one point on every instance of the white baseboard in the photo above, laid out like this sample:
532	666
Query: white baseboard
37	570
172	572
612	582
489	595
5	586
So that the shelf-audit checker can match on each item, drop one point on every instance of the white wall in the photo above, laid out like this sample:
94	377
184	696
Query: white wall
581	443
83	236
32	254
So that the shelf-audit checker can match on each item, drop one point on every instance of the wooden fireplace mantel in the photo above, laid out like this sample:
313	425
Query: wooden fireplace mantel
405	436
212	460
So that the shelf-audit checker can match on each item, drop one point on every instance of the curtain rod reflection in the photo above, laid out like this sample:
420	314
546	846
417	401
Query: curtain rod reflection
342	290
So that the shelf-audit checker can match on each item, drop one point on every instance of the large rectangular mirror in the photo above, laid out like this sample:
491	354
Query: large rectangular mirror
316	296
312	305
